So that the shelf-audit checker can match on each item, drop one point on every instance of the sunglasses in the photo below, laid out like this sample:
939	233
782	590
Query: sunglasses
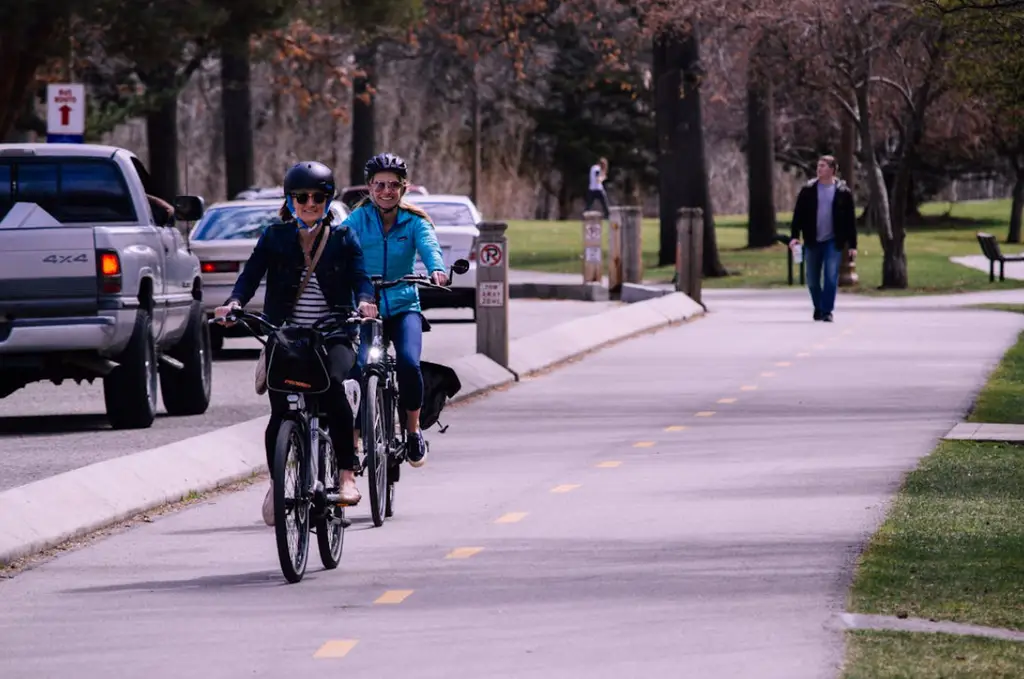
316	197
380	186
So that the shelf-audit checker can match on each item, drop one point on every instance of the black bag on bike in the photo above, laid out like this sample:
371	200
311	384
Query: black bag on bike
297	361
439	384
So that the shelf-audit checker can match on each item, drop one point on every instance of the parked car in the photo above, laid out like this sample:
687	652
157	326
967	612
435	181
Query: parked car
97	282
455	220
223	240
351	195
261	192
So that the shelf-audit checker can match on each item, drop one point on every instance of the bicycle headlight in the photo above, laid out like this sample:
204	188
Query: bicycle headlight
374	353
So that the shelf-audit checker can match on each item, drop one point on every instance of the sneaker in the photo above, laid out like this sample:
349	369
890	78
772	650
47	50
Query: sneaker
268	506
416	449
817	315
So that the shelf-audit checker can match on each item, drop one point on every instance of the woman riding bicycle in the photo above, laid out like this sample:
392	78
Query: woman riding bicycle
391	232
284	253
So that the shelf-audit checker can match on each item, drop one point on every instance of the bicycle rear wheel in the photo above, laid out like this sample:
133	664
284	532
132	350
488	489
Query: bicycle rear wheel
375	446
291	501
330	526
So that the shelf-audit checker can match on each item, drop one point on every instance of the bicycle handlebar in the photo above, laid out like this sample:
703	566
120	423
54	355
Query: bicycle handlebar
321	326
417	279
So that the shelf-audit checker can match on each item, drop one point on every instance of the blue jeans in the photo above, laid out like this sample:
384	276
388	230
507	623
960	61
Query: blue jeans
823	258
406	333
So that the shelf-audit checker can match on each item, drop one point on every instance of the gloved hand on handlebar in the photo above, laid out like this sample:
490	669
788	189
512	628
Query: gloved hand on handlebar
220	312
368	309
439	278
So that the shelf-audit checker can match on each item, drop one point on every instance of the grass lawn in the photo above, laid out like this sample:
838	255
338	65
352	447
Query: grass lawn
951	548
557	247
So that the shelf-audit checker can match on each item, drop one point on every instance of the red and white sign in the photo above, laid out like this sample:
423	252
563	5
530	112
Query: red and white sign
491	254
65	108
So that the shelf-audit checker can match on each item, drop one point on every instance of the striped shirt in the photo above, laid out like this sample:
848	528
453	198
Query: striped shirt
312	306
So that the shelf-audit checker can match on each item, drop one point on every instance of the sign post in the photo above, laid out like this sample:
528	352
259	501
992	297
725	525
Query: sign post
492	292
65	113
592	247
689	251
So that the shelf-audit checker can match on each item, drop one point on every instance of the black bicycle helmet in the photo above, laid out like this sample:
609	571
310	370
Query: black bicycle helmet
309	175
385	162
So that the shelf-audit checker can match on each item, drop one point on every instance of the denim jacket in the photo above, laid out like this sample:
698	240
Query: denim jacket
278	255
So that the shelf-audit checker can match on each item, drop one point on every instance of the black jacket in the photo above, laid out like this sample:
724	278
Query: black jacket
844	218
278	255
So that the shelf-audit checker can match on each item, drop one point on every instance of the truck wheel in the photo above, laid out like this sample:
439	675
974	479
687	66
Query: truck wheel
130	389
187	391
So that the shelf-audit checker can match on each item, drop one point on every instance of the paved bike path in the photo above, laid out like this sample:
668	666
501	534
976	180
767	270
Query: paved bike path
719	545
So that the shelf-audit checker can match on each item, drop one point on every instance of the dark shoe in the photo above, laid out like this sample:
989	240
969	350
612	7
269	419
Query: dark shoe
817	315
416	449
827	318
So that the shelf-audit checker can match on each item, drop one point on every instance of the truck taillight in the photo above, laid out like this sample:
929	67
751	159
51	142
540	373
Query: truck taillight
109	266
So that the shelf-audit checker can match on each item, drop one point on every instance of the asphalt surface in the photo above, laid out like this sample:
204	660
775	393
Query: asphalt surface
46	429
715	482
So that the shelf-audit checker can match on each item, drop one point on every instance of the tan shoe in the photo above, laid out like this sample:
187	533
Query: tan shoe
268	506
349	494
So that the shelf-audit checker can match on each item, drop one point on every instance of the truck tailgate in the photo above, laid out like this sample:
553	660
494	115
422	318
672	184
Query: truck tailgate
45	269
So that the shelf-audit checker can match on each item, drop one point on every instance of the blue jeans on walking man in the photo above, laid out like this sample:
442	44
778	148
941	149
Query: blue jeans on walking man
822	262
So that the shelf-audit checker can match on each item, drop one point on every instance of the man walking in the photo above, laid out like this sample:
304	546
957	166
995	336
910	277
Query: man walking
825	219
595	189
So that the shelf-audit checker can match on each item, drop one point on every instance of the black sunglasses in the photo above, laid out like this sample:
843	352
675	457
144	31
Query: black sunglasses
317	197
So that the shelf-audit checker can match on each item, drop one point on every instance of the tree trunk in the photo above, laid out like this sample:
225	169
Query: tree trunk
894	258
236	105
21	58
667	88
690	152
363	128
1016	207
162	138
477	142
848	153
761	226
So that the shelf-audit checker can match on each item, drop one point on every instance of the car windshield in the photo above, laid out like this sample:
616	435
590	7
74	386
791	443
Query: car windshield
238	222
448	214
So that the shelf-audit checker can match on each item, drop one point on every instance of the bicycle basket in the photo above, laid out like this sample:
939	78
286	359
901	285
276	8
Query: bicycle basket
439	384
297	362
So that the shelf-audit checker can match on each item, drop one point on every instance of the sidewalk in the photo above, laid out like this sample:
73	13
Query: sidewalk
978	431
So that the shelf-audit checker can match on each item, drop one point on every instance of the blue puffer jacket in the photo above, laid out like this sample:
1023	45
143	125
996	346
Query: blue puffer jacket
410	234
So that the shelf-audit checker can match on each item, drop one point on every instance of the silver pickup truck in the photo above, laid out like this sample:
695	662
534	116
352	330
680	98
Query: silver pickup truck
97	281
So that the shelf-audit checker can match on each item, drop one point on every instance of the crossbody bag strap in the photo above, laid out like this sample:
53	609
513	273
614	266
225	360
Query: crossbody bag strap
316	258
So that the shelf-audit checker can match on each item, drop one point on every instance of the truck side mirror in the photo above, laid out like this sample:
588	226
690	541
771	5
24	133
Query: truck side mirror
189	208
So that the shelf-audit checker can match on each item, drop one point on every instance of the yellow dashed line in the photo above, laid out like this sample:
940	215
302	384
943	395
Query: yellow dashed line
643	444
512	517
609	464
783	364
675	427
463	552
393	596
338	648
704	413
565	488
748	387
769	374
727	400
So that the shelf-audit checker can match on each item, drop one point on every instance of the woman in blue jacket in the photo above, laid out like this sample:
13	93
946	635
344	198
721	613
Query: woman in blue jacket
391	232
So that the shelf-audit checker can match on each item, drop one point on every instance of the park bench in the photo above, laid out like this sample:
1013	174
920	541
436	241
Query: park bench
990	248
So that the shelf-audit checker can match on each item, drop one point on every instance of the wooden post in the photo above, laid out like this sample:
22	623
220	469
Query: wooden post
492	292
615	248
848	270
632	245
592	247
689	251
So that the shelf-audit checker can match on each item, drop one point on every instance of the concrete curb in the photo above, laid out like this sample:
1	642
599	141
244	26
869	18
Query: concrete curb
582	292
49	512
542	350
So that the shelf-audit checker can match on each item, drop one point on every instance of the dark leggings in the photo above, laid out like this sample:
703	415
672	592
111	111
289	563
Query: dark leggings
341	358
406	333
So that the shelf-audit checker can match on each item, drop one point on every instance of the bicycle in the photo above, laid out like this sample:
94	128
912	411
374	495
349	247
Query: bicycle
316	480
382	424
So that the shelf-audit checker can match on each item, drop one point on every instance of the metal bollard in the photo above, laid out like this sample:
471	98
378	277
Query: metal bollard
492	292
689	251
592	247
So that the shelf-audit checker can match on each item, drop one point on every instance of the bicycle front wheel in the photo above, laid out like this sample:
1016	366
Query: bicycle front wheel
291	501
375	445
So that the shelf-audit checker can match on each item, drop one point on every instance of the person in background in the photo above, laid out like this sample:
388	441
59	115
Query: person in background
825	219
595	189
